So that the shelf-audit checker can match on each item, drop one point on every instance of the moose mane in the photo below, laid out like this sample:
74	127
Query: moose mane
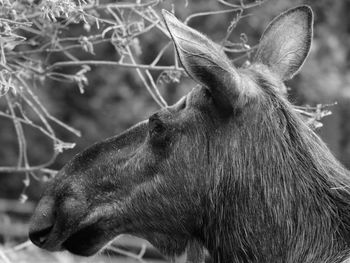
285	190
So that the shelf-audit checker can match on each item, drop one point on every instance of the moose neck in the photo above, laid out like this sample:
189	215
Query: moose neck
277	203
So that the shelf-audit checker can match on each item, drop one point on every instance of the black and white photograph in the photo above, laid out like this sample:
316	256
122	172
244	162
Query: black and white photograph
164	131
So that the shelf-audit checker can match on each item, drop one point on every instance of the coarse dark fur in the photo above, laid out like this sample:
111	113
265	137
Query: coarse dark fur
231	167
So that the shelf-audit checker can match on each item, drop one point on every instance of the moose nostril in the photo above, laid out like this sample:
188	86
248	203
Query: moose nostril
42	221
40	236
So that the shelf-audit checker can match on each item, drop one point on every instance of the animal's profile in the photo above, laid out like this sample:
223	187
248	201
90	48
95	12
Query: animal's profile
231	166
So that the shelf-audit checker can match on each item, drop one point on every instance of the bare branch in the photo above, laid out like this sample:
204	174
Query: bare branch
189	18
108	63
156	96
19	132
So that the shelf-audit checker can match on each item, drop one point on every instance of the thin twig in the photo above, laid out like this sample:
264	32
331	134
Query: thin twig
154	86
154	96
4	257
159	25
11	169
15	22
47	114
242	4
123	5
20	246
160	54
108	63
19	132
189	18
126	253
24	121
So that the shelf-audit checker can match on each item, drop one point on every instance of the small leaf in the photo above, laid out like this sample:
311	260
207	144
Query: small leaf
137	47
26	181
23	198
87	45
61	146
87	27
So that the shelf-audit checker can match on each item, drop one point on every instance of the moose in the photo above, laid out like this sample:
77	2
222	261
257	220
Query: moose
231	167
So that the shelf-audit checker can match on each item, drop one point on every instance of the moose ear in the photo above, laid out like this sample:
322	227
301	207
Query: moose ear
286	42
204	61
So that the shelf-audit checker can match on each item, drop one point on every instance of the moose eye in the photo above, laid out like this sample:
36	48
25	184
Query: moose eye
207	93
156	126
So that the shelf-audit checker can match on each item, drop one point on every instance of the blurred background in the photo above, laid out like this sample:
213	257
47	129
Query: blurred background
101	100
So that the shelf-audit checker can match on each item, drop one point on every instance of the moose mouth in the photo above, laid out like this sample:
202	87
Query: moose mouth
86	241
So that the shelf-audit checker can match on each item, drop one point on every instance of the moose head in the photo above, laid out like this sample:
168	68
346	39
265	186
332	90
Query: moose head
231	166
